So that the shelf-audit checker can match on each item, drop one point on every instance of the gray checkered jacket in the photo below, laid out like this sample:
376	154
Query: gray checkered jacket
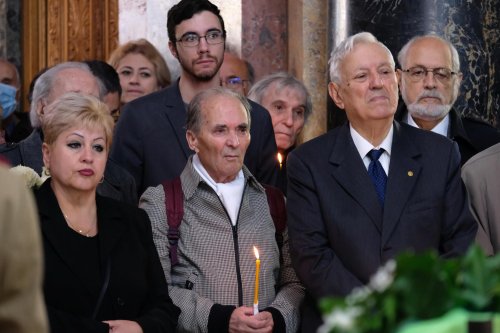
208	257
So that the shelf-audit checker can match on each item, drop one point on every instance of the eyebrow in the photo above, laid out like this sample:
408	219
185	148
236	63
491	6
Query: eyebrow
83	137
195	33
130	67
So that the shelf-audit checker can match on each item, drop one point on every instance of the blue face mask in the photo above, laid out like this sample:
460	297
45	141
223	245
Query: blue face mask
7	99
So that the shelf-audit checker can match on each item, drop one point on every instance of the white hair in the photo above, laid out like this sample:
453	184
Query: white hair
346	47
45	83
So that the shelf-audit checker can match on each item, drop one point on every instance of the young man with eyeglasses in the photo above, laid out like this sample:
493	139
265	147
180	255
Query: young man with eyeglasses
150	137
429	81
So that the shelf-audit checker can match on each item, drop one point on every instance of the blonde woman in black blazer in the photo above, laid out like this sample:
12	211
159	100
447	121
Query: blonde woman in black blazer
102	272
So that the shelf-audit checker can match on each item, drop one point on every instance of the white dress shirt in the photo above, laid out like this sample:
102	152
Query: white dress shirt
229	193
364	147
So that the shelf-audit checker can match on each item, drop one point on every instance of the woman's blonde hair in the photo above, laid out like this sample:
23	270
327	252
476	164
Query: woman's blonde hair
74	109
142	46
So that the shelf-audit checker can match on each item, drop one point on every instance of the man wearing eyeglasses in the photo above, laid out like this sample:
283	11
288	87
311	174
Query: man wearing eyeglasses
236	74
430	80
150	137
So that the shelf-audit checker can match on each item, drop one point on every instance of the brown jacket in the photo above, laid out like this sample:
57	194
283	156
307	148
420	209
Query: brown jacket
21	301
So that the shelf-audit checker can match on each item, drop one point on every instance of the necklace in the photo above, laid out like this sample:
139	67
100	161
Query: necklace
80	231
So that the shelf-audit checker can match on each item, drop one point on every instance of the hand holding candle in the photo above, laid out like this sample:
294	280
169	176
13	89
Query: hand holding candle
256	289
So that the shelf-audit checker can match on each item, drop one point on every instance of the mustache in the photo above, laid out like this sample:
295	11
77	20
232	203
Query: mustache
431	94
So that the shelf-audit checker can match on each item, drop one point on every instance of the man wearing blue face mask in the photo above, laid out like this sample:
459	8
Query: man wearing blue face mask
15	125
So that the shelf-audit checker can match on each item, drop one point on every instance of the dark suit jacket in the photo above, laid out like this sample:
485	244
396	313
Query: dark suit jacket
471	135
150	140
118	184
340	234
137	288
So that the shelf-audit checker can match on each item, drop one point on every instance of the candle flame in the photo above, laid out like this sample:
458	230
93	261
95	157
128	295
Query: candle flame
256	252
280	158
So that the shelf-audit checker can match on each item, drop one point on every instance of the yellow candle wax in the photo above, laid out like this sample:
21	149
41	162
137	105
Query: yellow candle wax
257	270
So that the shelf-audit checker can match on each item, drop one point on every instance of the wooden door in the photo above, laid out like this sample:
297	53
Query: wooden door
55	31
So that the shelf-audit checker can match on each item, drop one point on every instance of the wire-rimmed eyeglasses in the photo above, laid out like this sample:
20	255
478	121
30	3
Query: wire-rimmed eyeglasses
233	82
417	73
192	39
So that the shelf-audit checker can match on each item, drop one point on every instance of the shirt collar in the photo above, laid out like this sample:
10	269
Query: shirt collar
364	146
440	128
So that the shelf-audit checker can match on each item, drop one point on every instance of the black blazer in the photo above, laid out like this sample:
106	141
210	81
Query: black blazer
150	140
471	135
339	232
137	288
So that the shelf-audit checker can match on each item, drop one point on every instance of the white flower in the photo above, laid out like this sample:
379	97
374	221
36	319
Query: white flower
358	295
343	319
383	277
30	177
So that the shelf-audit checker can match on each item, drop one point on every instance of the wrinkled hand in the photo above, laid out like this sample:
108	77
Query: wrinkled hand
242	321
123	326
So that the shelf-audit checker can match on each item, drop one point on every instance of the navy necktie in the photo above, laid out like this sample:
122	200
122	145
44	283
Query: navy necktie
377	173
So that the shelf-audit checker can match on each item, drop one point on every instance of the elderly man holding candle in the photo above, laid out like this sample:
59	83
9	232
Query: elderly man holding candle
226	215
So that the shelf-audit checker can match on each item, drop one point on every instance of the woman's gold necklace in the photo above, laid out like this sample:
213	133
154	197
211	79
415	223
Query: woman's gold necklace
80	231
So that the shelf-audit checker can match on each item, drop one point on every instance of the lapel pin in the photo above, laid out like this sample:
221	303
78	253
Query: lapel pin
410	173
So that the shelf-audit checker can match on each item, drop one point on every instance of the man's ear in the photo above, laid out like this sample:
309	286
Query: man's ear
192	141
46	155
40	108
173	49
399	76
335	94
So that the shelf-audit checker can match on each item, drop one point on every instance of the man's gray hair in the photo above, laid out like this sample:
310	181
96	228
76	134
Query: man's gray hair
194	114
346	47
282	80
455	59
45	82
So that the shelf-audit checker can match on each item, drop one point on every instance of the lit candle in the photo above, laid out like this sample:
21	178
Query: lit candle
256	289
280	160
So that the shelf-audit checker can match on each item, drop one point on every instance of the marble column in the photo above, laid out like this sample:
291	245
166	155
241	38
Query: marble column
308	56
472	26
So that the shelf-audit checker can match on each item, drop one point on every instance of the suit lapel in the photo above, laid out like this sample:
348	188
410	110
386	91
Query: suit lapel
351	174
404	171
31	151
176	114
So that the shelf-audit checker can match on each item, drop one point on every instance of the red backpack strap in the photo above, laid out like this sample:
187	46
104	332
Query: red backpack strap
277	208
174	205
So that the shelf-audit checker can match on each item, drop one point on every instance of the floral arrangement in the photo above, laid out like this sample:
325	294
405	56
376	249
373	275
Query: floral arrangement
412	288
30	176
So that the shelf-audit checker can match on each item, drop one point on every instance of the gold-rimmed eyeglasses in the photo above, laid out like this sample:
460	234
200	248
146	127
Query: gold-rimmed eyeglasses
417	73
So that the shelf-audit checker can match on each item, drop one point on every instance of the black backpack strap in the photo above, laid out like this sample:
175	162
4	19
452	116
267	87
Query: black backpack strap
277	208
174	206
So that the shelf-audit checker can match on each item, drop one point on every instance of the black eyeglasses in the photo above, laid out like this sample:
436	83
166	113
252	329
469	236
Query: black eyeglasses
192	39
233	82
442	74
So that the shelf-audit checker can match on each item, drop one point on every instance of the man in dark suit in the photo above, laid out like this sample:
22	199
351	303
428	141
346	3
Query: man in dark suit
150	138
430	82
348	212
